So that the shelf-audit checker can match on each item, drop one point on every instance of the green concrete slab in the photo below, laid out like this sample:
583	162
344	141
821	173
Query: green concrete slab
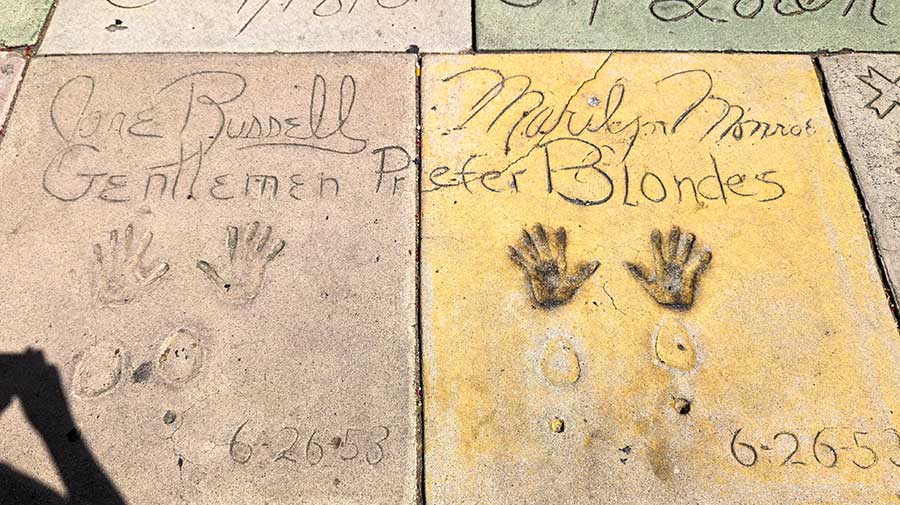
21	21
704	25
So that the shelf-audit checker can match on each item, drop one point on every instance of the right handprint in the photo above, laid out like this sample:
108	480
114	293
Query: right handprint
677	265
240	280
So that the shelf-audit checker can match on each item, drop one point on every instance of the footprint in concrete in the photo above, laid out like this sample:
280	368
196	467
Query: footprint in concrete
675	345
560	364
180	357
97	371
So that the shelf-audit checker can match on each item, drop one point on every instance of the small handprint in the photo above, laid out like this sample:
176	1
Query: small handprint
677	269
248	256
543	259
123	277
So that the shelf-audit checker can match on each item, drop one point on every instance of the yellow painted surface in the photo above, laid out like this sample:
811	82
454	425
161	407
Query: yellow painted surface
612	396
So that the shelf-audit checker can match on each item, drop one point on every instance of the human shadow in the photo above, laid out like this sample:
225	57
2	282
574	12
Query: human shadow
37	384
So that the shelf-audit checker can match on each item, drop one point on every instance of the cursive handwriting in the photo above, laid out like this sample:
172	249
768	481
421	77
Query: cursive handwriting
581	143
188	118
321	9
513	106
680	10
573	171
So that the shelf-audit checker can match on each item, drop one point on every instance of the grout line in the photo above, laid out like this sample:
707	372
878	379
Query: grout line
863	207
469	51
45	28
473	38
406	50
420	386
600	49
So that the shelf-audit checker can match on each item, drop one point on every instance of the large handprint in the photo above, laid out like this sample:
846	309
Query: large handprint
677	268
240	281
123	277
543	260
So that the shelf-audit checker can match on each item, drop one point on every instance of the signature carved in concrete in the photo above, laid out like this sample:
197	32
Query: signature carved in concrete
542	258
677	265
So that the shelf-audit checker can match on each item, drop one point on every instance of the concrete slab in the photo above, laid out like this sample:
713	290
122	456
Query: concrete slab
21	21
11	67
865	95
646	279
107	26
714	25
218	255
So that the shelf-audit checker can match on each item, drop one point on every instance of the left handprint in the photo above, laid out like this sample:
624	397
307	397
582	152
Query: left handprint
123	278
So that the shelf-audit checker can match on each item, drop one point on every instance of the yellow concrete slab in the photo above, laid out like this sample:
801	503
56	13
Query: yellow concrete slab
697	319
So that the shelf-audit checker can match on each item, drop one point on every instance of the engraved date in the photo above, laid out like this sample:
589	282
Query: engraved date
313	447
828	447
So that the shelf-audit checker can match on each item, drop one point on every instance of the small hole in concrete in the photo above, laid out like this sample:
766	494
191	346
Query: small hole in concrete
169	417
557	425
682	406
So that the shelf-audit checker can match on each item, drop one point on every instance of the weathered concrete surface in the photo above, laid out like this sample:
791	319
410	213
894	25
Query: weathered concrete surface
753	362
742	25
21	21
218	360
11	67
866	100
107	26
